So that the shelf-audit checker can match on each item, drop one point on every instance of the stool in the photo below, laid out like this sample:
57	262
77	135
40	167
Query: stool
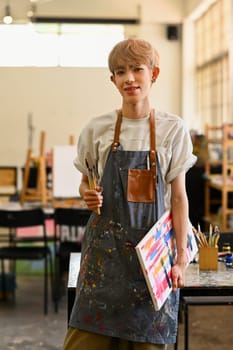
198	301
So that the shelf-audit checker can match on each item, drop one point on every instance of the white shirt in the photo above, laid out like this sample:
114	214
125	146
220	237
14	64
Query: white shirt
173	143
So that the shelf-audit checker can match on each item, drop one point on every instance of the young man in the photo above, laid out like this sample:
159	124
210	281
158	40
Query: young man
142	157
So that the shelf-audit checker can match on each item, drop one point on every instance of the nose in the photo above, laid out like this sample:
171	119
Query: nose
129	79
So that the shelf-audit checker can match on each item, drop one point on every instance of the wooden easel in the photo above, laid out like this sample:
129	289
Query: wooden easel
40	192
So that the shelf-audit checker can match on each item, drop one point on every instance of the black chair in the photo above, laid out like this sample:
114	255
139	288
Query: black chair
69	227
27	247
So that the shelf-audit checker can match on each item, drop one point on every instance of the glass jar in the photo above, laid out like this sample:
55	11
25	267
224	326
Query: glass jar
226	248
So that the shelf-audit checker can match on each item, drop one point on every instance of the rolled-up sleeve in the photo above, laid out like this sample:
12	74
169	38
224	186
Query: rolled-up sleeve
84	147
182	153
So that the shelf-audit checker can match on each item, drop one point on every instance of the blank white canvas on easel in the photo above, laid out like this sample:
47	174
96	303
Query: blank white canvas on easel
66	178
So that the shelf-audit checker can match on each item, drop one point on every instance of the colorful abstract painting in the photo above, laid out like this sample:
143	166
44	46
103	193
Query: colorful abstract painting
157	253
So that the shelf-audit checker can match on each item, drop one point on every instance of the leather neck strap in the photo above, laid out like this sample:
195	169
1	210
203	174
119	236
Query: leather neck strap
117	131
152	142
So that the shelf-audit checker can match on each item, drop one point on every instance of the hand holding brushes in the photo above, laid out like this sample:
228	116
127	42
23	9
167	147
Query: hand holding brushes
93	177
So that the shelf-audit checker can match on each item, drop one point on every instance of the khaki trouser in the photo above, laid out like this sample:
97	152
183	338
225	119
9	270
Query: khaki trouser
81	340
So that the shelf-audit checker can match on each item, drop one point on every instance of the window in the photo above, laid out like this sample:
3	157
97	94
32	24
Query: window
78	45
212	33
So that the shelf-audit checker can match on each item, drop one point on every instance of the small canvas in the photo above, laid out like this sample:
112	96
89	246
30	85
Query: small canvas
157	252
66	178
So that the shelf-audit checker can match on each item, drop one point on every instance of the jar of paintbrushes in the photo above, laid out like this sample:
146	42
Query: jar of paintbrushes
208	248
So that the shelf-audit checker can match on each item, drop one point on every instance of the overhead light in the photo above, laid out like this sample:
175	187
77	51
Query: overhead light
7	19
86	20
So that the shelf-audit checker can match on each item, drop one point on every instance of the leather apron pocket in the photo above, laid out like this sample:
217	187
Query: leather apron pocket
141	185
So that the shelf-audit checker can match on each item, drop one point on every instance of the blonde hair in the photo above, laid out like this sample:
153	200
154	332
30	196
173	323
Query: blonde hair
133	51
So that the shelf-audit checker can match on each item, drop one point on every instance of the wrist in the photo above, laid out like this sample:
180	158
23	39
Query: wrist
181	258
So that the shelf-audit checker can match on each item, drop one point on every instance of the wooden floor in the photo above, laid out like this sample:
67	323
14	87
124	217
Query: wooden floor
23	325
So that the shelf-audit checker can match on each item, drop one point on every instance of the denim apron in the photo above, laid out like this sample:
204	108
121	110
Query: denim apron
112	297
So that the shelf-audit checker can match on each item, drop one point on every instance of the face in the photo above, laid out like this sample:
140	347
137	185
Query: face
134	82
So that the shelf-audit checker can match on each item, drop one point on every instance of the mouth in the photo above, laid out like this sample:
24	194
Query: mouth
131	89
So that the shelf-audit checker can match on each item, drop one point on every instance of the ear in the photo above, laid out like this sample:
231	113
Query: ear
155	73
112	78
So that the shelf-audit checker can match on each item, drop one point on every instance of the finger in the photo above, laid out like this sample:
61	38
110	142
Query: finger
99	188
174	284
181	284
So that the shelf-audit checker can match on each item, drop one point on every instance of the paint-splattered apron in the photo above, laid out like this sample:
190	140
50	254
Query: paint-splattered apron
112	296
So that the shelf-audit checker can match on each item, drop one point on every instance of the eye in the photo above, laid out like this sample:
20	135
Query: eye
119	72
138	69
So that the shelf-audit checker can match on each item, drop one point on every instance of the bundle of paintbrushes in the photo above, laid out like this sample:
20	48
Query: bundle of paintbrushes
93	176
210	240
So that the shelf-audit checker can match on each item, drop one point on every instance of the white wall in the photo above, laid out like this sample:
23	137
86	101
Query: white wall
61	101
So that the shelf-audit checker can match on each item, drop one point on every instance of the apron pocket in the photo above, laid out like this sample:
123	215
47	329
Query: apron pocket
141	185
